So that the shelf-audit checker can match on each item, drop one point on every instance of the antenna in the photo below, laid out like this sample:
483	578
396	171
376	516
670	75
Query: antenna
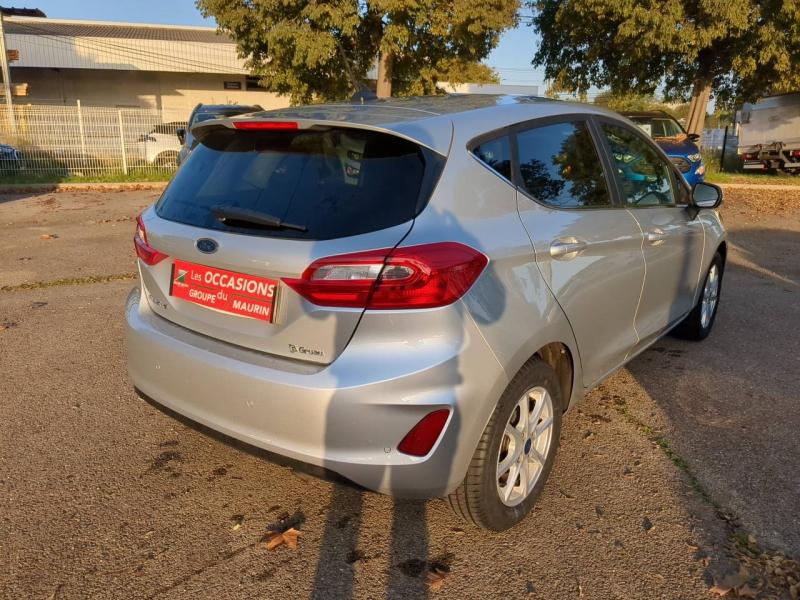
362	92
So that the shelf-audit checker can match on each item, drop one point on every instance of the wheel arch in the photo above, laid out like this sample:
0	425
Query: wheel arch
558	356
722	249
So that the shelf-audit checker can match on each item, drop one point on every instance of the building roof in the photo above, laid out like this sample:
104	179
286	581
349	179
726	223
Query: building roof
110	29
71	44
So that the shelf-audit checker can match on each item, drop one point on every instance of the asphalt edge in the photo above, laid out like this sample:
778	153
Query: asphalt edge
34	188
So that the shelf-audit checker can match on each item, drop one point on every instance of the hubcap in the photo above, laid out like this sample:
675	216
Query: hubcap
710	295
525	446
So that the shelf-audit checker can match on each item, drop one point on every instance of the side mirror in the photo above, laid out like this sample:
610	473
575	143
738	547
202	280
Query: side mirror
706	195
181	133
694	137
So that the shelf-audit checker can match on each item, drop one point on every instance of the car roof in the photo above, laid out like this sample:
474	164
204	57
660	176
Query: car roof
223	107
431	120
647	113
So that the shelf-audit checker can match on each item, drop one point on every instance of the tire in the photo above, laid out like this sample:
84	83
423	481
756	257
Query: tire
167	159
696	326
478	498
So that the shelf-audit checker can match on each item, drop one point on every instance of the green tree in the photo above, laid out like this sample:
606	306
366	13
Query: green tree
736	49
637	102
313	50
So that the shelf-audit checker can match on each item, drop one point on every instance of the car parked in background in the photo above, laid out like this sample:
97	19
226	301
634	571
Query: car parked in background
681	147
206	112
159	146
410	293
10	160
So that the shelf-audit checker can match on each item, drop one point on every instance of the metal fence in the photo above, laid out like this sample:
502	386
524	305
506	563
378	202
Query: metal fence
713	138
56	140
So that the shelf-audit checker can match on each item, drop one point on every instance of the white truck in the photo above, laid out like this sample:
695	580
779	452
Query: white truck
769	134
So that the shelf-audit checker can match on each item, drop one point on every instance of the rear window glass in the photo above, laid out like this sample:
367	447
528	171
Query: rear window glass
333	182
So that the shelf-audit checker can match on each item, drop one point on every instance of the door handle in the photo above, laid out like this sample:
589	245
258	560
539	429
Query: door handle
567	248
655	236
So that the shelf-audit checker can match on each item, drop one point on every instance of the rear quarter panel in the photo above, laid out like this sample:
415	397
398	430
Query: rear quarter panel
509	304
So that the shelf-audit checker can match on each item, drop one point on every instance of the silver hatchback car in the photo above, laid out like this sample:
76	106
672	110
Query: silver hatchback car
410	293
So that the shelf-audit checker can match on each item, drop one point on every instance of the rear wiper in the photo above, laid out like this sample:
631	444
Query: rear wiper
232	215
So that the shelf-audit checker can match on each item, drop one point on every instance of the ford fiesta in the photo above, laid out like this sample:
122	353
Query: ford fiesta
410	293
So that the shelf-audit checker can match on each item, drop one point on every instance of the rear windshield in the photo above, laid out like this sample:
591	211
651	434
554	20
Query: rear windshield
333	182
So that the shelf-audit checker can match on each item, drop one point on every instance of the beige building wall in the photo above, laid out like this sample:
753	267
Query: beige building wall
174	93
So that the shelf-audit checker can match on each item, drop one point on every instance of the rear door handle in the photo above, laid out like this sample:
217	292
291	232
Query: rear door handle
655	236
567	248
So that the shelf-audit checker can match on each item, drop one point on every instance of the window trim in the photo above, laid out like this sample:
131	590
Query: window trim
675	175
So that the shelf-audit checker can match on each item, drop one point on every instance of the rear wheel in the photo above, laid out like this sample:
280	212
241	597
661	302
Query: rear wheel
698	323
515	453
167	159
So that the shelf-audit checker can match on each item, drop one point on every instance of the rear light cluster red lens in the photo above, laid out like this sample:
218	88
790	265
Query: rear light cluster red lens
424	276
420	440
265	125
148	254
795	153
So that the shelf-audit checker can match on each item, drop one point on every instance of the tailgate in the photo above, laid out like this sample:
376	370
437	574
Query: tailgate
341	190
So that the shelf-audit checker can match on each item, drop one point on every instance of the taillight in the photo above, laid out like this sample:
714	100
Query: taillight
795	153
265	125
424	276
145	251
420	440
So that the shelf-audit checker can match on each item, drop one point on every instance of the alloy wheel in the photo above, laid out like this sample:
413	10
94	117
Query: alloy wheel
525	446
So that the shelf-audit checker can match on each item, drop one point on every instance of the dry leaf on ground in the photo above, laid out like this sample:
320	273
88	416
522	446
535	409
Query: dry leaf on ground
436	578
288	537
48	236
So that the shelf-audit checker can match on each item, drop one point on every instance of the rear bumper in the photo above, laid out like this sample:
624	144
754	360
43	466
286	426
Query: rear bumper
347	417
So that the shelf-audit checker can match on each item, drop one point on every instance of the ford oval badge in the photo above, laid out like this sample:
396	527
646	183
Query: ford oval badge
206	245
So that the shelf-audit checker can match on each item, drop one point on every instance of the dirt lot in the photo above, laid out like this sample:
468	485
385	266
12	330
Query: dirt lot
663	473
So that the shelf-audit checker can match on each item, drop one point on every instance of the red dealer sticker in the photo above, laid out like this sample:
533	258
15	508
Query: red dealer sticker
226	291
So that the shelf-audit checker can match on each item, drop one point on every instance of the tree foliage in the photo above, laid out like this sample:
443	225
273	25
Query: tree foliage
312	50
637	103
739	49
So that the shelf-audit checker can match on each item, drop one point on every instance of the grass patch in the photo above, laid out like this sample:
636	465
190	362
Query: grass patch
111	177
752	178
35	285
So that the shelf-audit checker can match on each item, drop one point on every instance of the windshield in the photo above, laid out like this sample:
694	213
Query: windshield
333	182
659	127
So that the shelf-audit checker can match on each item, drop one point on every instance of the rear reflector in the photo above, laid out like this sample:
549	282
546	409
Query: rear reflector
148	254
262	125
424	276
420	440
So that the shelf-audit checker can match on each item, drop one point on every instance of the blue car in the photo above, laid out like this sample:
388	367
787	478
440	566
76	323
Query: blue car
681	147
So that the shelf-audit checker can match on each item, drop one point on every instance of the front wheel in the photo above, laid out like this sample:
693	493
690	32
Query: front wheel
515	453
698	323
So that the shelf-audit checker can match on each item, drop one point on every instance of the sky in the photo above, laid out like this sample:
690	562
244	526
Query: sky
511	58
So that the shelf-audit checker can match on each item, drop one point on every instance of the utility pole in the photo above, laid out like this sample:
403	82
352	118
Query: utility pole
6	77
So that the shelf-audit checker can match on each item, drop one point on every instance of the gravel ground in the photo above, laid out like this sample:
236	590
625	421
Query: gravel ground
661	470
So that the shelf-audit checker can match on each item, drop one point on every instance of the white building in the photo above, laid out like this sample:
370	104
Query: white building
166	67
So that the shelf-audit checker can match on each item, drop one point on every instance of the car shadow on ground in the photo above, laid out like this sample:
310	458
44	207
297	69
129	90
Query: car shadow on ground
730	402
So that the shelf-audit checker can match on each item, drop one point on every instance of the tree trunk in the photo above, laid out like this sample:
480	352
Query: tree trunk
385	63
701	94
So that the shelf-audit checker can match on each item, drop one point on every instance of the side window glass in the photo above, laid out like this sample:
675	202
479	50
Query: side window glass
644	176
496	154
560	166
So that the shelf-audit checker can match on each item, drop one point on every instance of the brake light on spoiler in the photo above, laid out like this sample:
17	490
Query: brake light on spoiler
265	125
423	276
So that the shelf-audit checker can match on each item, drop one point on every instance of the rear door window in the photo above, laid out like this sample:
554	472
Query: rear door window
334	182
559	166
